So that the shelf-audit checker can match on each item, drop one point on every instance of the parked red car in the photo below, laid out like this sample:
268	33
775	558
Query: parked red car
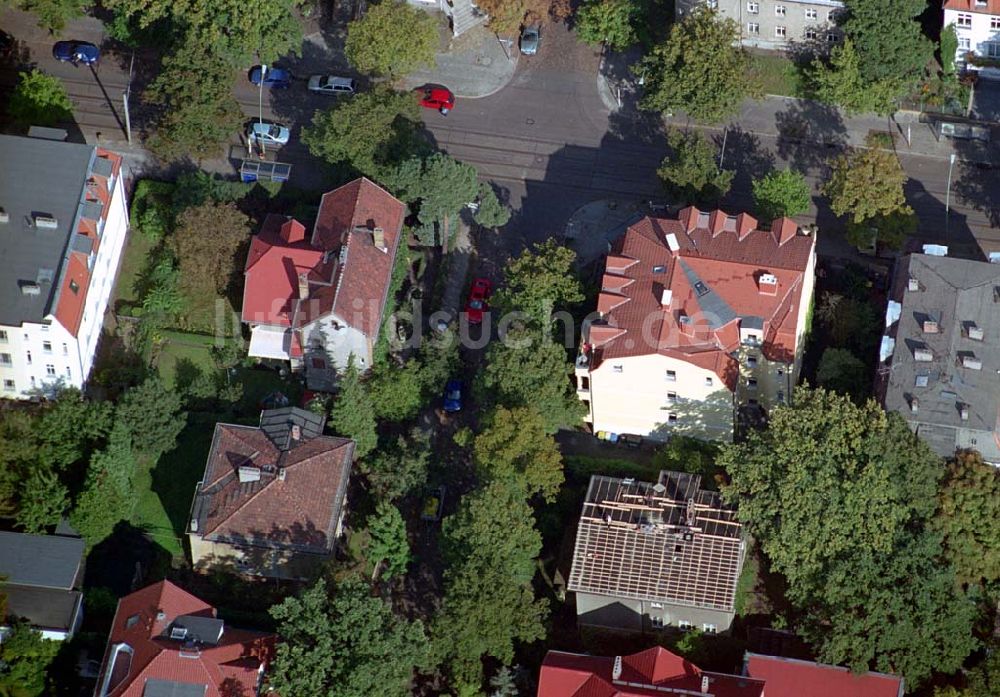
436	97
478	303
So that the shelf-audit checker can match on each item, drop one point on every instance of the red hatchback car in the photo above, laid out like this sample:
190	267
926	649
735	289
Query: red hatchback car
436	97
479	296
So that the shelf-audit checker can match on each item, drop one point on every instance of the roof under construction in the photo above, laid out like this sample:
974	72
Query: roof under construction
671	542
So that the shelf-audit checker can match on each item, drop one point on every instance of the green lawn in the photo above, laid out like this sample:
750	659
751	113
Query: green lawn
136	252
185	352
779	75
165	489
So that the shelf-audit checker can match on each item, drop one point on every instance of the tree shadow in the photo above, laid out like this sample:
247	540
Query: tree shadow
125	561
743	155
938	225
977	183
808	133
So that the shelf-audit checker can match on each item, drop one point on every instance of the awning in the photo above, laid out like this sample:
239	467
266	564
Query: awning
270	342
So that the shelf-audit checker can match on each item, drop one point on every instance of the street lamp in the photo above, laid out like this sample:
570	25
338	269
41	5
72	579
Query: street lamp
947	195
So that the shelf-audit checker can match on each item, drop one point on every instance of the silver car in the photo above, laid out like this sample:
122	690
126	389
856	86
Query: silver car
530	39
331	84
268	133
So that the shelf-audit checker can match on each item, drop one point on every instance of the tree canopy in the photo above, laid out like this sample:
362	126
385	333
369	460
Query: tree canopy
440	185
392	39
888	38
209	264
841	371
609	22
699	69
491	212
865	183
24	660
388	547
514	445
690	172
39	100
108	493
399	467
783	192
353	414
839	79
540	281
344	643
152	413
52	14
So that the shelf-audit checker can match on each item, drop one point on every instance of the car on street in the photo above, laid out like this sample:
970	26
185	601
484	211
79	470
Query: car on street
76	52
332	84
530	38
278	78
266	133
453	396
478	304
436	97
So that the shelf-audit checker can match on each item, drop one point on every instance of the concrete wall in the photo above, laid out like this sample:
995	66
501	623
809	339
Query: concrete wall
803	20
632	615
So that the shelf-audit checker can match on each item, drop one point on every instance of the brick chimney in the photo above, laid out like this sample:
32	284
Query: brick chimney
303	286
378	237
767	283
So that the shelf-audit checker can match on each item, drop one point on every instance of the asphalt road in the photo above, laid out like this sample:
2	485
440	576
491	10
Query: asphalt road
547	140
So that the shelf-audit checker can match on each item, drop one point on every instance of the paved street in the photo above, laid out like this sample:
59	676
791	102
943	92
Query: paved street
552	144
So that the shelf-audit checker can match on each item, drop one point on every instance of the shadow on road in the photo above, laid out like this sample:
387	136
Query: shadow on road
802	126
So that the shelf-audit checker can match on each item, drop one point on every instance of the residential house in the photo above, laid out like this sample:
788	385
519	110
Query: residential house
462	15
654	672
789	677
272	498
696	318
777	24
940	355
63	221
650	556
41	577
316	302
165	642
977	24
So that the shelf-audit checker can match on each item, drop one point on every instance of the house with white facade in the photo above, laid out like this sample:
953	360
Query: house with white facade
63	222
776	24
697	318
319	301
977	24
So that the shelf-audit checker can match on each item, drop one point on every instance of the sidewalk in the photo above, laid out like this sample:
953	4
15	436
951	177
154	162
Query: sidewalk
474	64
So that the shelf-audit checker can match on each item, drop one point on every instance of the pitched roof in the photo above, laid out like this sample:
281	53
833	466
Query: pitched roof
790	677
41	561
707	268
344	272
43	608
954	370
669	542
148	622
990	7
273	491
654	671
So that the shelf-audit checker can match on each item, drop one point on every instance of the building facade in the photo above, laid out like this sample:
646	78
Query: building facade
977	24
697	318
776	24
63	224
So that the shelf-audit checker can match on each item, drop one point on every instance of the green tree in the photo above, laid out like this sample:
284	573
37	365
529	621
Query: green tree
490	546
400	468
39	100
840	80
44	500
108	492
528	369
968	517
388	549
949	49
889	39
345	643
841	371
780	193
514	445
609	22
392	39
850	321
70	428
53	14
889	231
690	172
539	281
699	69
504	683
442	185
688	454
152	413
397	392
865	183
24	661
210	264
372	132
505	16
491	213
353	414
838	496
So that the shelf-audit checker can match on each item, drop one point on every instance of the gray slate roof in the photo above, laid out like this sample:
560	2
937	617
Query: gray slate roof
955	293
42	177
277	425
46	561
44	608
172	688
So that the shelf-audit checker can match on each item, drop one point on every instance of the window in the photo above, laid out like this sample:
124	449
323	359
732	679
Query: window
964	43
657	622
811	34
65	350
779	10
811	13
712	4
751	361
964	20
684	625
27	357
781	371
671	376
50	369
752	384
753	28
832	38
780	32
584	383
994	22
659	269
672	418
753	7
3	336
69	373
131	621
32	378
658	606
5	359
8	385
709	382
753	339
47	346
708	628
74	286
781	396
992	49
618	368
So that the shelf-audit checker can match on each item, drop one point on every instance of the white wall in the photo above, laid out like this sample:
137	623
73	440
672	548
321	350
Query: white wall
984	30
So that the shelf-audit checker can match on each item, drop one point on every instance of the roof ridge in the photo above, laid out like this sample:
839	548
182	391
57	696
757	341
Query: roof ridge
237	509
219	428
316	454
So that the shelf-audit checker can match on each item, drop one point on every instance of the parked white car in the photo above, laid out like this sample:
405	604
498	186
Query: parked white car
331	84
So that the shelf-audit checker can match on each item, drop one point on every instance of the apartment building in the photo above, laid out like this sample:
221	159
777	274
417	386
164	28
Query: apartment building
977	24
696	318
63	222
776	24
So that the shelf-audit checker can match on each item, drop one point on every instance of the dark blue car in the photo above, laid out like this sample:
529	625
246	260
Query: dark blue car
76	52
278	78
453	396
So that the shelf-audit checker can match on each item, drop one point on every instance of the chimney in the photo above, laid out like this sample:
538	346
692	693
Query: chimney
303	286
963	411
914	405
687	324
930	326
767	284
281	474
970	361
616	669
913	285
378	237
704	684
4	216
296	432
923	355
975	332
666	298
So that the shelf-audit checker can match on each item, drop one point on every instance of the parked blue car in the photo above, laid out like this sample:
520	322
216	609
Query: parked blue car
278	78
76	52
453	396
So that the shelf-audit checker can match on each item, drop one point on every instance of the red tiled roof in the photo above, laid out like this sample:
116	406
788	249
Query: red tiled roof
142	621
712	278
787	677
992	7
654	671
299	509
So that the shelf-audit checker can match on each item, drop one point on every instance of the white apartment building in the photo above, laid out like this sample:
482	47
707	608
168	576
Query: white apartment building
977	23
62	230
696	318
776	24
